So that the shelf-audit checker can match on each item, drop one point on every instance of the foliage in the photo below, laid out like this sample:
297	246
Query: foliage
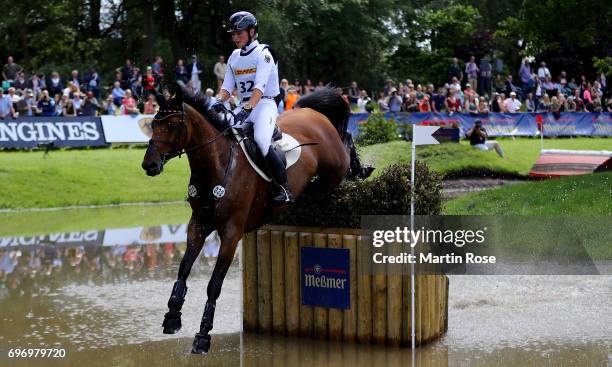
377	130
388	194
603	65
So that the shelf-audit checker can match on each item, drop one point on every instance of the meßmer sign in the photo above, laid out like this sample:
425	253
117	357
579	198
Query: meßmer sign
28	132
325	277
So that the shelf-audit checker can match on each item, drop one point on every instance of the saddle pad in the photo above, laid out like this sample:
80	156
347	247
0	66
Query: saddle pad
287	144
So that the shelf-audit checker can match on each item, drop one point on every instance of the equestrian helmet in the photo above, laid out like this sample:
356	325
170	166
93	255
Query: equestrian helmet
240	21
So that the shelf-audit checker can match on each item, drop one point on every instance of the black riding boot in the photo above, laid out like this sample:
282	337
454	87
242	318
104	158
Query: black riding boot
281	193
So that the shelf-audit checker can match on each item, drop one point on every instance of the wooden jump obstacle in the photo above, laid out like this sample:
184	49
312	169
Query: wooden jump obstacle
379	310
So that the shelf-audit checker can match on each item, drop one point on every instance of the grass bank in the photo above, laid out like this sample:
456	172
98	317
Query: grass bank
460	160
576	196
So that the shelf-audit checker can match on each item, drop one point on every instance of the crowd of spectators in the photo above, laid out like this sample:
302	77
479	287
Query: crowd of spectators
475	88
478	89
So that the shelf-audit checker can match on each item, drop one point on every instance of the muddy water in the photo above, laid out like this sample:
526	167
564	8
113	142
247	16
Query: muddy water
104	304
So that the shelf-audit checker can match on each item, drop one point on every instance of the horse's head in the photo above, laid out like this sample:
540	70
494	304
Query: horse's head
169	134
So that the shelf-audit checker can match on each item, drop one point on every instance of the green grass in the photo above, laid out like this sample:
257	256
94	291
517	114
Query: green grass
459	160
86	177
70	220
576	196
110	176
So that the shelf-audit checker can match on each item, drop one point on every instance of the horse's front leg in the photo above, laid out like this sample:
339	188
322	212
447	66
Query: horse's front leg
230	235
196	234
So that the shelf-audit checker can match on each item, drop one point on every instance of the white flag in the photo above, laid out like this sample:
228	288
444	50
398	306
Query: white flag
421	135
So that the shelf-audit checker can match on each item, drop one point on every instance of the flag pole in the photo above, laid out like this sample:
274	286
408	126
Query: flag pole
412	288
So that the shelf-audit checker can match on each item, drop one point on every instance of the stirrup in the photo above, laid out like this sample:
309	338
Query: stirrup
283	197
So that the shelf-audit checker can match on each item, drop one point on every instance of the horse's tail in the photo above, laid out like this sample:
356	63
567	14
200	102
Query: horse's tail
330	103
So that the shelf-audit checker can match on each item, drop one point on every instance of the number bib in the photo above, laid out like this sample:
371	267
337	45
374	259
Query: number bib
244	67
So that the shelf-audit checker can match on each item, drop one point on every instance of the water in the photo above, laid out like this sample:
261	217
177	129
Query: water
104	303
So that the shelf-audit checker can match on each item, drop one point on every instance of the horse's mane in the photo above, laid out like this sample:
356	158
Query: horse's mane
329	102
200	103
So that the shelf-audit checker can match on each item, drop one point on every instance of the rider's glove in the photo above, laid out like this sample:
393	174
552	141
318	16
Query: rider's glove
218	107
242	116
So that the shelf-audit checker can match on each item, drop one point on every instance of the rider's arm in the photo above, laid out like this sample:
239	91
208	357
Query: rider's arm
228	84
265	66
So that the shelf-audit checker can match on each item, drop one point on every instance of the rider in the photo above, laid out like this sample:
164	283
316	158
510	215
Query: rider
252	70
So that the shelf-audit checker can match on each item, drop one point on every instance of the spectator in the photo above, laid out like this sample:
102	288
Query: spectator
219	71
469	91
109	106
549	87
527	82
158	70
471	70
77	101
14	97
572	86
117	93
74	78
513	105
353	93
46	105
510	87
150	106
437	102
180	72
563	83
571	104
424	104
67	106
126	74
90	105
382	102
149	82
411	103
92	83
10	70
6	105
362	102
308	87
478	136
195	69
298	87
609	105
452	103
485	76
471	104
586	94
137	90
388	86
544	105
499	84
55	84
543	72
57	102
71	89
36	84
455	84
320	85
454	70
482	106
395	101
530	103
27	105
292	97
20	83
495	107
128	104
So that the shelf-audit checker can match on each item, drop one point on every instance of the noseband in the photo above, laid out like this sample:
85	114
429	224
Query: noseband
177	151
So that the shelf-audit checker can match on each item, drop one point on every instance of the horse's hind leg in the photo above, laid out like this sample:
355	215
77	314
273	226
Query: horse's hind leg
196	234
230	235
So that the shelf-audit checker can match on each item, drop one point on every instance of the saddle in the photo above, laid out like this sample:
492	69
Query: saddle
283	144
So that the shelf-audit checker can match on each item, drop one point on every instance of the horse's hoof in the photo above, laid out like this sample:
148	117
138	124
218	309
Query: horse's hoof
201	344
172	322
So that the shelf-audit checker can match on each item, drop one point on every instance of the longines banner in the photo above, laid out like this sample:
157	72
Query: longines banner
505	124
29	132
127	128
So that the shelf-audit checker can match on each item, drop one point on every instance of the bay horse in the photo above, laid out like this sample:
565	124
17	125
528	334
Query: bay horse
225	193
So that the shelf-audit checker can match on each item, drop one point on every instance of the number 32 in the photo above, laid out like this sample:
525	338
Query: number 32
246	86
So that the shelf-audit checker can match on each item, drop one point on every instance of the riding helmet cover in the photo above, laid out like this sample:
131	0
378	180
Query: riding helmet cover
240	21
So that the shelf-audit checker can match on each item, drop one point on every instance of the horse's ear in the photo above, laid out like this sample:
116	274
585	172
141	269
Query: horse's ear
179	94
161	101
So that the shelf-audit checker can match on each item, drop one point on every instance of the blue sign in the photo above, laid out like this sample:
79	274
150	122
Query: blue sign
504	124
325	277
29	132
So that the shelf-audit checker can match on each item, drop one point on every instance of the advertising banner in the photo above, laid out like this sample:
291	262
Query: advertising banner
504	124
30	132
325	277
127	128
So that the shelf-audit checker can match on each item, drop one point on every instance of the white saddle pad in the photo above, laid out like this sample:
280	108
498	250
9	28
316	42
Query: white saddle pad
287	144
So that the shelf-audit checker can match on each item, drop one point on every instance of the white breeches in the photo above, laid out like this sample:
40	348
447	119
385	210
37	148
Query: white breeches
263	118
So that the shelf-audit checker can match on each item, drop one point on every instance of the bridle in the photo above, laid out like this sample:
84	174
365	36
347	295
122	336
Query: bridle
176	151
